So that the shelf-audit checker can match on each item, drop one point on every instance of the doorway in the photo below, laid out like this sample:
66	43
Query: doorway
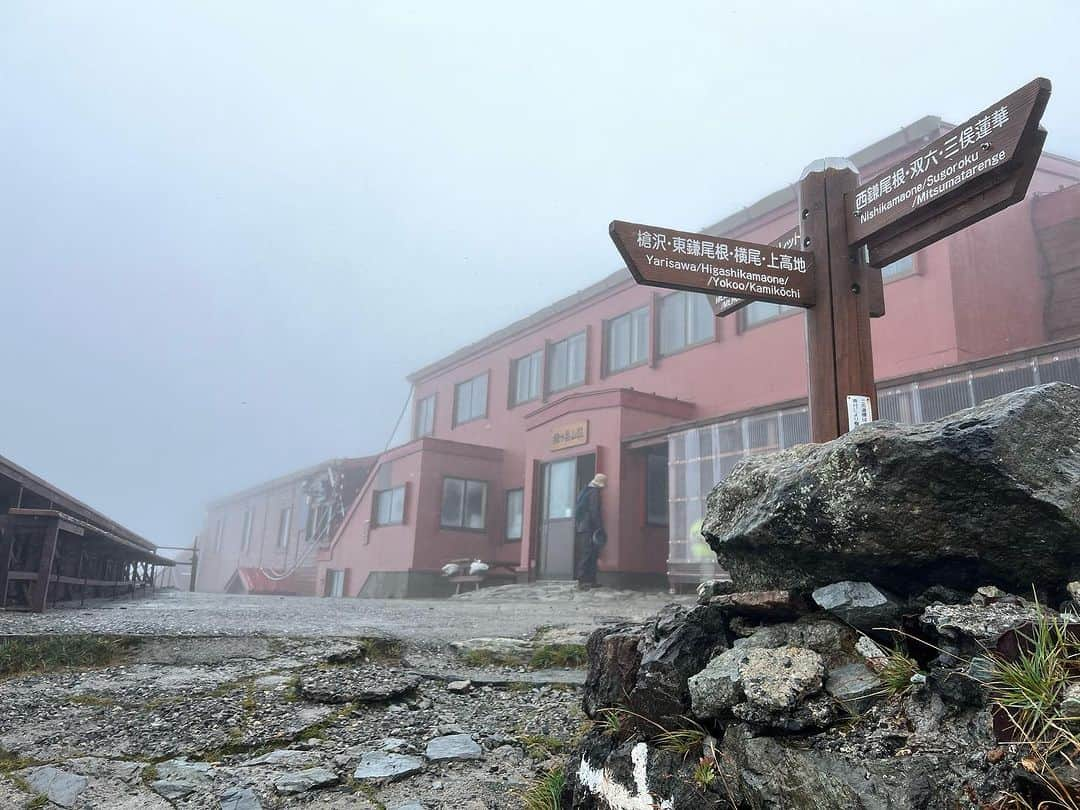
560	482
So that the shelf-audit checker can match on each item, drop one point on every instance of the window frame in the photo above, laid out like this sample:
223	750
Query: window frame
687	298
512	400
913	270
746	326
458	421
549	388
521	530
246	527
417	412
608	342
464	500
284	528
650	453
376	499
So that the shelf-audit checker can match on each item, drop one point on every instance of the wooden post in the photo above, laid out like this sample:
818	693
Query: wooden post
839	351
7	542
40	592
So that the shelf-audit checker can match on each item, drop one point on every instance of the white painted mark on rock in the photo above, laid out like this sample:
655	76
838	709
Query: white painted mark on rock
618	797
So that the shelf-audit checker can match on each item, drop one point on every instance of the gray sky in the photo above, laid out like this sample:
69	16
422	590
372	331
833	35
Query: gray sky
228	230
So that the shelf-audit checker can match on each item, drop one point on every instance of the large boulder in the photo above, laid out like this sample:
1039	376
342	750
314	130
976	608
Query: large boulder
989	494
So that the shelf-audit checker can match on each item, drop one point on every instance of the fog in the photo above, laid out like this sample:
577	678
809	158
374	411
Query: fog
229	230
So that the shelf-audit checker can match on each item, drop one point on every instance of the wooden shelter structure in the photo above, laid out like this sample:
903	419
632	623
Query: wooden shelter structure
55	548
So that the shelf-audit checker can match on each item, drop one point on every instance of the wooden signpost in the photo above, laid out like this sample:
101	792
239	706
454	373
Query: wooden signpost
830	262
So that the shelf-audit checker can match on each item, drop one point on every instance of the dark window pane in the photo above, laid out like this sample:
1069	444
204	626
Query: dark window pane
453	502
475	504
656	488
672	323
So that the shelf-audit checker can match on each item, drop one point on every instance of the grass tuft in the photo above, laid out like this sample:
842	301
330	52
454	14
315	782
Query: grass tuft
540	746
897	672
546	793
49	653
559	656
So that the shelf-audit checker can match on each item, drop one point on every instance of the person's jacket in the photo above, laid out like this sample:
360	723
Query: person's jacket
587	510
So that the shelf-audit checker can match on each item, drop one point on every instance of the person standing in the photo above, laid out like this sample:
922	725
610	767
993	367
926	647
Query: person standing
589	525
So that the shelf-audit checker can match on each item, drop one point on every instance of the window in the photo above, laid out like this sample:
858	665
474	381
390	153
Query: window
626	340
566	364
470	399
390	506
284	526
764	311
219	537
515	503
686	319
335	583
656	487
560	481
424	417
525	377
464	504
245	535
901	267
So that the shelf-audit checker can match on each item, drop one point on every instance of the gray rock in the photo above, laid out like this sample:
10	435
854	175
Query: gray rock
364	683
831	639
775	605
240	799
411	806
380	765
506	649
714	587
180	770
303	781
871	653
453	746
60	787
860	604
716	689
910	505
286	757
974	628
172	788
779	679
1070	701
459	687
394	745
855	687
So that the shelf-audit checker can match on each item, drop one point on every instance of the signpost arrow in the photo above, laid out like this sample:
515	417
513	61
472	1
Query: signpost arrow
683	260
979	167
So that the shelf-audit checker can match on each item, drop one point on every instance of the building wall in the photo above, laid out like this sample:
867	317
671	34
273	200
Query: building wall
218	564
977	294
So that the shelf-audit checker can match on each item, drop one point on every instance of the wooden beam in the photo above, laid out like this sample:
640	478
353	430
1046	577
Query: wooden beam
39	592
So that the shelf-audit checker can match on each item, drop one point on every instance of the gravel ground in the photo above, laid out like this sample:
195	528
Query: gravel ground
515	611
245	703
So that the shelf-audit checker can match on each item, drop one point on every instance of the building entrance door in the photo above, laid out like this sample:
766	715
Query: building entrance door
561	482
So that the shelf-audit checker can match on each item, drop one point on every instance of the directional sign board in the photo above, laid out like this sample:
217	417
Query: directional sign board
979	167
694	262
727	304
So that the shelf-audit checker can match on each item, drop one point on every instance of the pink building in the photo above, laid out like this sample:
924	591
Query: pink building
649	388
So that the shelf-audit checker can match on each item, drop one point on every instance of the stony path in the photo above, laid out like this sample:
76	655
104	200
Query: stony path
515	612
245	703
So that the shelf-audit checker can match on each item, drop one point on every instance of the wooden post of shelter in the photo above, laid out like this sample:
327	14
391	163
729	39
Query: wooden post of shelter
40	591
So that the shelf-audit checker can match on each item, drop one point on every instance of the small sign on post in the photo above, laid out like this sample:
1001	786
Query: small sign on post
859	411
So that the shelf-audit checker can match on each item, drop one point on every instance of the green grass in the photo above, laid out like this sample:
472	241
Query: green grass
897	672
540	746
49	653
545	793
490	658
561	656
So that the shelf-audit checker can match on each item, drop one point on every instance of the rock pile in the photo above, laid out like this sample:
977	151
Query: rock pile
857	659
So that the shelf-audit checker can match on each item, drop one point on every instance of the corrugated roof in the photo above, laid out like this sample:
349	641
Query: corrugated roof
921	130
67	503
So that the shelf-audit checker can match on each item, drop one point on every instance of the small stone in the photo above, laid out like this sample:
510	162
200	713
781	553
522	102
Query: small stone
383	765
302	781
240	799
394	745
453	747
170	789
285	757
991	594
459	687
875	657
774	605
860	604
1070	701
714	587
411	806
60	787
777	680
715	689
854	686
